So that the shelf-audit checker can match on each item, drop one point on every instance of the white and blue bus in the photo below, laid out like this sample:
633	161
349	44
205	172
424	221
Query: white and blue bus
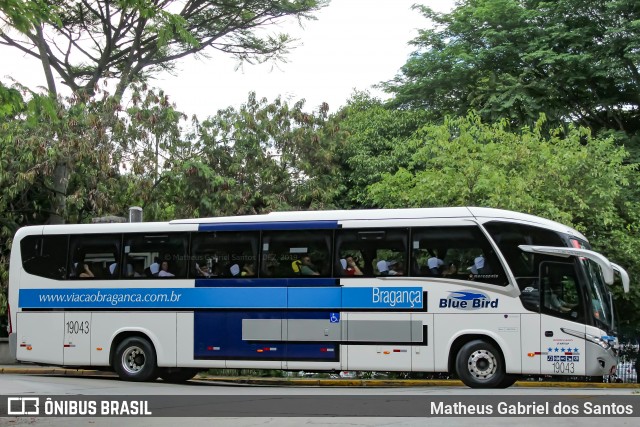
488	294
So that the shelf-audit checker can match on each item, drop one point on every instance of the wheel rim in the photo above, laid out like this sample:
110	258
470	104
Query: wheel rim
133	359
482	364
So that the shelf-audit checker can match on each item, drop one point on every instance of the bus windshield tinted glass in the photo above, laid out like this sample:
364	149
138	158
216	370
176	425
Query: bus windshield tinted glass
600	302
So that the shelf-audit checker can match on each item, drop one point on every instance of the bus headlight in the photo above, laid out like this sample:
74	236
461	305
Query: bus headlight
604	341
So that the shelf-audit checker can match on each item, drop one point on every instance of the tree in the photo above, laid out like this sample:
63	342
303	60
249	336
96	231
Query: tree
265	156
369	138
37	132
570	177
86	42
573	60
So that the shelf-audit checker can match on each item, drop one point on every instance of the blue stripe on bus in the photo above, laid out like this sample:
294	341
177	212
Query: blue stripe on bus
226	298
283	225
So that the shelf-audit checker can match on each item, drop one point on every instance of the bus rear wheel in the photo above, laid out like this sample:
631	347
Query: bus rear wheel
479	365
135	360
177	375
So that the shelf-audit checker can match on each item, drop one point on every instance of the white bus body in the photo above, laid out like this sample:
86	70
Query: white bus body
235	299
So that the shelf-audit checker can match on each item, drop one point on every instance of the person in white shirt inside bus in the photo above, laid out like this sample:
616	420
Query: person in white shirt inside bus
164	270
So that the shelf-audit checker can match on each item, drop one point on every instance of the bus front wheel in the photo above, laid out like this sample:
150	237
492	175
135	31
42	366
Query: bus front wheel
135	360
479	365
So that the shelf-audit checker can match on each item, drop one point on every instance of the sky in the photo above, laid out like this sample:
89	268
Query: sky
352	45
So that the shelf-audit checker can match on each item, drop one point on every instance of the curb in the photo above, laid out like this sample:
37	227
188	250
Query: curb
317	382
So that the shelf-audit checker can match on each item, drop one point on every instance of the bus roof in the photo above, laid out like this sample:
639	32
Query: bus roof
479	213
383	214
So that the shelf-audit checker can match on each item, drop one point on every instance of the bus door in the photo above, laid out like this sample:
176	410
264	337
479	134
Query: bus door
77	338
562	320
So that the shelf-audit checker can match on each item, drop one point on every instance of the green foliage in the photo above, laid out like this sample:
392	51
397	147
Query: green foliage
42	133
24	15
573	60
265	156
11	102
370	139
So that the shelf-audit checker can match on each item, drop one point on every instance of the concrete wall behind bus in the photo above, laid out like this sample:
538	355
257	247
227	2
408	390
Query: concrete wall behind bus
5	354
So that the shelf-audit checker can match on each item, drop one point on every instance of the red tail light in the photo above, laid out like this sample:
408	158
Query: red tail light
9	327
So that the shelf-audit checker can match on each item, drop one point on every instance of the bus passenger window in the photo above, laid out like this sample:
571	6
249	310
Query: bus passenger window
455	252
94	256
150	256
371	252
221	254
296	253
45	256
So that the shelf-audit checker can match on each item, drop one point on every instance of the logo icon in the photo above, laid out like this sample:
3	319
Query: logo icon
468	300
23	406
334	317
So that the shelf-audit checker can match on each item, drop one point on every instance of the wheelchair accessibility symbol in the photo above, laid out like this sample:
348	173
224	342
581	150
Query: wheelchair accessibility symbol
334	317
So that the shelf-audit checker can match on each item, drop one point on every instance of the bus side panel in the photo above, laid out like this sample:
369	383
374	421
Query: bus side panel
422	355
503	328
77	338
160	328
379	342
530	336
185	346
40	337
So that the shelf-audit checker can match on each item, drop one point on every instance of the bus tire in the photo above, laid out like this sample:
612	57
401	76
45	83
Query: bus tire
135	360
479	365
508	381
178	375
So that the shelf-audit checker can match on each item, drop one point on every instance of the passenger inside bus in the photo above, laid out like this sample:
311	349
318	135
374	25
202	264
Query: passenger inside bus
554	297
164	270
351	268
434	264
154	269
307	268
85	271
451	270
389	268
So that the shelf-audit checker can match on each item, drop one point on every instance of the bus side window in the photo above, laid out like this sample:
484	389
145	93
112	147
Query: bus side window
376	252
45	256
307	251
560	293
215	254
98	252
455	252
158	255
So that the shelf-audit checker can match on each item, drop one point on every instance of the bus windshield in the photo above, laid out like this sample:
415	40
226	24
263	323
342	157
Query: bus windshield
601	307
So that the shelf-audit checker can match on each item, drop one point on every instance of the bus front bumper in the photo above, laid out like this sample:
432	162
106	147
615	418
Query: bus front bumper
600	361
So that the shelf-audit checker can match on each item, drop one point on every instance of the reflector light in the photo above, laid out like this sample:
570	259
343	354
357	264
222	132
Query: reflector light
10	326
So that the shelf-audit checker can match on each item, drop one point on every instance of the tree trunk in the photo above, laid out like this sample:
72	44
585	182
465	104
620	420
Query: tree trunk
60	184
